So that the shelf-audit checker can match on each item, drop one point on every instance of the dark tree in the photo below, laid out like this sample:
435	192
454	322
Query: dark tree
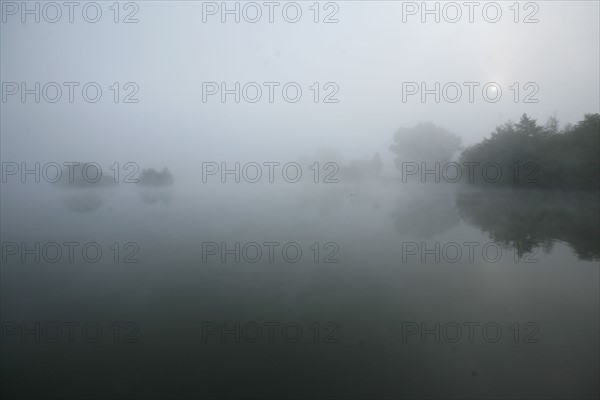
150	177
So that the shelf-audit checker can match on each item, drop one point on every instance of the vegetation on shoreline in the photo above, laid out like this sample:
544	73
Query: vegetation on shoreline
543	156
522	154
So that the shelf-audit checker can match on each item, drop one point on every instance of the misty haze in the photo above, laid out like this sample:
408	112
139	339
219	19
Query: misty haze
344	199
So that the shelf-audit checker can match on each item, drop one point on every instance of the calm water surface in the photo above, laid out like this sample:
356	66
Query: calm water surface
427	292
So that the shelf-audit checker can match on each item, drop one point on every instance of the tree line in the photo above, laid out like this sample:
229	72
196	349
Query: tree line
529	154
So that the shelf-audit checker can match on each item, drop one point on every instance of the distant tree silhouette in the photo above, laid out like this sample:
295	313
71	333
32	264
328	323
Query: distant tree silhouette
552	126
425	143
150	177
82	175
362	169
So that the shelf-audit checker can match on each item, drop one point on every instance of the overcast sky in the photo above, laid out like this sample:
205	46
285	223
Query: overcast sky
368	54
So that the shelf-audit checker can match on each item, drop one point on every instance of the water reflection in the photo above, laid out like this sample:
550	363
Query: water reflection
369	294
425	214
85	202
154	197
524	220
85	191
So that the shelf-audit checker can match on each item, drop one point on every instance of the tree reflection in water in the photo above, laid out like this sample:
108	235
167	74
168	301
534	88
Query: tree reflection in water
524	219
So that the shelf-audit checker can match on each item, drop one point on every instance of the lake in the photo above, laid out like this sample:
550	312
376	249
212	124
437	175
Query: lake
379	290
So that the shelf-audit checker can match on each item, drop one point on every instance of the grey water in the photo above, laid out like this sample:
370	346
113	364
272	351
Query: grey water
371	308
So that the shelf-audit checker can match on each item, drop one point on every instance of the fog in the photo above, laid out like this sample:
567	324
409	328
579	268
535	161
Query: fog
368	53
358	170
